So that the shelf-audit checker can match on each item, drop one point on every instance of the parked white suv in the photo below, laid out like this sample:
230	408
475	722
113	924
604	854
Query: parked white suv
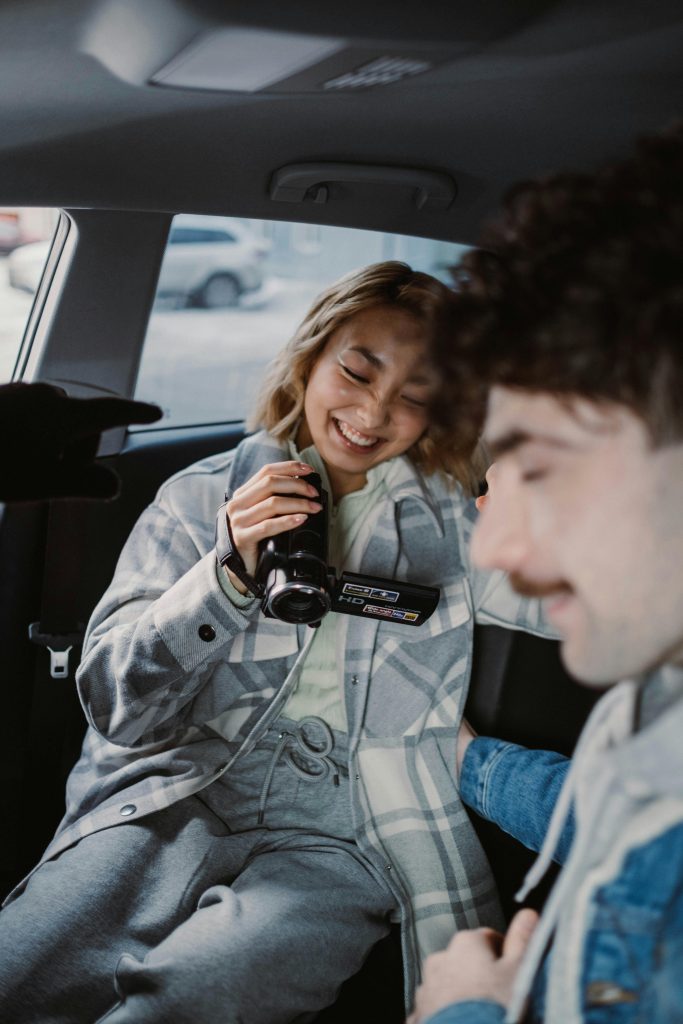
209	262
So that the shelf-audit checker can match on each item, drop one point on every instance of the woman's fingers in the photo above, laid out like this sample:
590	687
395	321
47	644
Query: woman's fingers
269	510
276	499
266	519
275	472
271	481
272	495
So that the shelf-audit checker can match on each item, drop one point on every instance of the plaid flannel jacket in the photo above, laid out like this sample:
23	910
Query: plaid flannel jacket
171	705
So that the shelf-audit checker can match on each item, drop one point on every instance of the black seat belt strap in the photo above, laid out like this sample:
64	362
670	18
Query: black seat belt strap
55	725
60	629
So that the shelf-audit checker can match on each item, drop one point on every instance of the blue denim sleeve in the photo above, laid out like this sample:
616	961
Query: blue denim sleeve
471	1011
517	789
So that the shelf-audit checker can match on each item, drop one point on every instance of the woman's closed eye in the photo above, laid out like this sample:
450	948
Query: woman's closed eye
358	378
353	375
418	403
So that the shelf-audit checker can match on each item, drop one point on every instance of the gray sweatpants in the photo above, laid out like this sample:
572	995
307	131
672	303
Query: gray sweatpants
199	913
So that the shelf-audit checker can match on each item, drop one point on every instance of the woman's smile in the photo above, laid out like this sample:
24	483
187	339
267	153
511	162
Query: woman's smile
354	439
367	396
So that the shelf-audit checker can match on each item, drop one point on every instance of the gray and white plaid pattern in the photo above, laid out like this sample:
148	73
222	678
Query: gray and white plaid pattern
169	712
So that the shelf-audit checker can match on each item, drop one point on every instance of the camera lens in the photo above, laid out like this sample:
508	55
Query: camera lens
292	568
297	603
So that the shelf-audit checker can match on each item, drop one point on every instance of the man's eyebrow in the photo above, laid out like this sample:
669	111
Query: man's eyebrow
514	439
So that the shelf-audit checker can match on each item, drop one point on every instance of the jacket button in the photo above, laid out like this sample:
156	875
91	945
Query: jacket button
608	993
127	810
207	632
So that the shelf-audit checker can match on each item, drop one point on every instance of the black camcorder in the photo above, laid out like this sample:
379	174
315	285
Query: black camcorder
297	585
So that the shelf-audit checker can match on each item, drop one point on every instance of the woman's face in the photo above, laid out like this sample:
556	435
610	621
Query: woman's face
368	394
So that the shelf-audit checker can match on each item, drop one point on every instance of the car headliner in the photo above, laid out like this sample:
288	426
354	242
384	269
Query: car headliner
525	88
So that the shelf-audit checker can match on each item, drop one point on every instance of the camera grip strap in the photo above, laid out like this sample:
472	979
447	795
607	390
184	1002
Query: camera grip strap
227	554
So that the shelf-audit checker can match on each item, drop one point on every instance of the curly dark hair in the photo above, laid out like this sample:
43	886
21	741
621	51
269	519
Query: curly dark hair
578	291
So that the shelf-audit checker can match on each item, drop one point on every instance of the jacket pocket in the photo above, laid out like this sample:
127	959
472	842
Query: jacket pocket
620	954
419	675
629	975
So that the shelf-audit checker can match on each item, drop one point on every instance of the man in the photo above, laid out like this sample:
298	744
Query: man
573	332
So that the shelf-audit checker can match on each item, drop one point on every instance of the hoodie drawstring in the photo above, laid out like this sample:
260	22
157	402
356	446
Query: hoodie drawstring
311	738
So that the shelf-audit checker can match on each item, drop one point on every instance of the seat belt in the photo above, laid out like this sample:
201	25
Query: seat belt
60	630
56	721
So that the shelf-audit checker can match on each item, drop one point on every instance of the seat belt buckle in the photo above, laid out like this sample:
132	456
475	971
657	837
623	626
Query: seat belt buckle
58	646
59	663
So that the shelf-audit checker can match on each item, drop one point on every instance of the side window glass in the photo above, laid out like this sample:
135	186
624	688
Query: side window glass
24	245
220	236
229	300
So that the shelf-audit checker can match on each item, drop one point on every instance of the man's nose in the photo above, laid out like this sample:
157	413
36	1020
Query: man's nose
500	539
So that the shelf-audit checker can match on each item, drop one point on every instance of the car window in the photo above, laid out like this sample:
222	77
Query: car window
223	311
218	236
24	245
185	236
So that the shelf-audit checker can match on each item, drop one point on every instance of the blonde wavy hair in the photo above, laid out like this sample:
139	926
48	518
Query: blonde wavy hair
443	447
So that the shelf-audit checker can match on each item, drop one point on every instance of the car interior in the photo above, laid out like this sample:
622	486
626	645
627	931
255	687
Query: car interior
402	118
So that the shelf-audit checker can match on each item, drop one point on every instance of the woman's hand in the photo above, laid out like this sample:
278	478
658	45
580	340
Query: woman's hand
272	501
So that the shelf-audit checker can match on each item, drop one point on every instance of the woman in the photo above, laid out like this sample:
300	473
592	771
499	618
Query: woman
280	793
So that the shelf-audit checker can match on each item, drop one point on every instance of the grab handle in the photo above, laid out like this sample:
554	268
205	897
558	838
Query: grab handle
297	183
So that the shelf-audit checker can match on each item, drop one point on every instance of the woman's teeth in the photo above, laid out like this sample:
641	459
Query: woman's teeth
354	437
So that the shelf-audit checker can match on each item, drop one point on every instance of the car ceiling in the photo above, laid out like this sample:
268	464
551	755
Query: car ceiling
510	90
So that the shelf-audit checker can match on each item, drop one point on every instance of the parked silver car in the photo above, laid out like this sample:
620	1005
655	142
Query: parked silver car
209	262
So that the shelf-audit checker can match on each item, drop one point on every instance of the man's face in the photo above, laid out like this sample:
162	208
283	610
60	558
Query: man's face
584	513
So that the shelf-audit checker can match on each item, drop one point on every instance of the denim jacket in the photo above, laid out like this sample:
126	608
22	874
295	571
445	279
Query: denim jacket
615	917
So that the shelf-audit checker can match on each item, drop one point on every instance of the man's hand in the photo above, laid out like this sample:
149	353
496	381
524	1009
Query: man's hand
478	964
465	736
49	442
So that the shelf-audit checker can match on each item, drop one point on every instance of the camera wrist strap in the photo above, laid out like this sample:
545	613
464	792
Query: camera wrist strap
227	554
